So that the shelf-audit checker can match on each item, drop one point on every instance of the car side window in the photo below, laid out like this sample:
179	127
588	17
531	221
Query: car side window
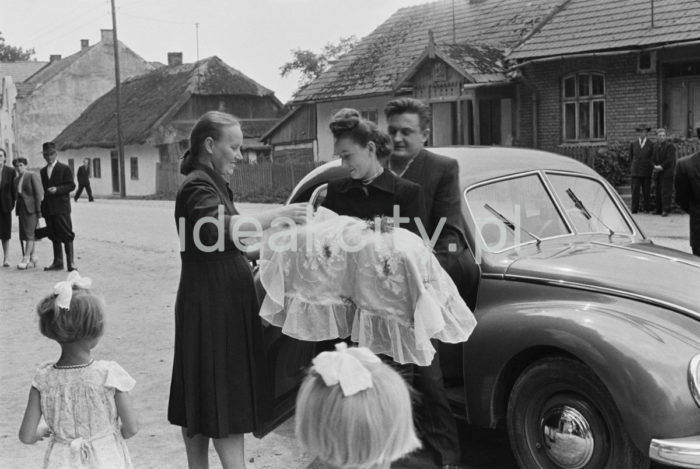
595	212
504	211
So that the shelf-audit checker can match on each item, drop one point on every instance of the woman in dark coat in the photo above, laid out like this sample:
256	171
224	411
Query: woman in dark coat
216	382
370	190
29	195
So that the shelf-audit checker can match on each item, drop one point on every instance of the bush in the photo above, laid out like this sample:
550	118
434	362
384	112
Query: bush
612	159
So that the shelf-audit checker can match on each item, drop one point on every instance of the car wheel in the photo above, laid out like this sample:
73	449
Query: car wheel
560	416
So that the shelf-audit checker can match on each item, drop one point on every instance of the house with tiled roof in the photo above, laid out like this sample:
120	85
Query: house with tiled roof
53	96
158	111
448	53
597	69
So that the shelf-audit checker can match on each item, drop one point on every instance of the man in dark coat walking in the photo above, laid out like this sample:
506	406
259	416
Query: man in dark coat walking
57	181
641	154
664	168
687	185
84	181
408	122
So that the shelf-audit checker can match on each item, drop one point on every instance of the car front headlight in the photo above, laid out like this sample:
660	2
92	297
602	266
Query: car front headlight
694	378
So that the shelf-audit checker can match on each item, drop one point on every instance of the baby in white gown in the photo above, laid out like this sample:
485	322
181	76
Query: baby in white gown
381	286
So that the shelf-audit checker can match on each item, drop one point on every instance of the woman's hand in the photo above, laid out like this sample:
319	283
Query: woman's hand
42	431
299	212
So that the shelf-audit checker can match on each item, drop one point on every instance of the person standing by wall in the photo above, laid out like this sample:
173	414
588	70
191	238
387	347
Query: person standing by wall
57	181
84	181
687	185
664	168
641	166
8	196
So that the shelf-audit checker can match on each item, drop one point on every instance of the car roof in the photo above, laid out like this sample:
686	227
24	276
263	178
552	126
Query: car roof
476	164
480	163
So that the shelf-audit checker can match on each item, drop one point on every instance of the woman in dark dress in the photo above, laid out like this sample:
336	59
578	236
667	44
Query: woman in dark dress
370	190
216	381
29	195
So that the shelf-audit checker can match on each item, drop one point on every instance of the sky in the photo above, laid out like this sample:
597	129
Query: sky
253	36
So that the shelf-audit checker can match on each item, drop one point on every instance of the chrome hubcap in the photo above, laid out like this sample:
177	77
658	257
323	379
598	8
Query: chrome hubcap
567	437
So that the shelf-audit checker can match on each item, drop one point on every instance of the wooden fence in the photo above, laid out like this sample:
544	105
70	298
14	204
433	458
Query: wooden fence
263	182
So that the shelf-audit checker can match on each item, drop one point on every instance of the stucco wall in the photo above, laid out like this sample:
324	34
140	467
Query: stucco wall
7	110
631	98
102	186
51	106
324	112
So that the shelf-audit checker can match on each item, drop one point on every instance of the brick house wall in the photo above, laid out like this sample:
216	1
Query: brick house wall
631	98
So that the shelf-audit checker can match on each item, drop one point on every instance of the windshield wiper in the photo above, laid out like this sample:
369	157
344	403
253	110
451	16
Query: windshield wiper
584	211
510	224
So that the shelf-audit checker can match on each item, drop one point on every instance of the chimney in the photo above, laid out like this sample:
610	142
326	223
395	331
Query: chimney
54	57
174	58
107	35
84	44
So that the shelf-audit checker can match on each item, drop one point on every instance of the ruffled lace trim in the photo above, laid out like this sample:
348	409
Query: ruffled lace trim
391	296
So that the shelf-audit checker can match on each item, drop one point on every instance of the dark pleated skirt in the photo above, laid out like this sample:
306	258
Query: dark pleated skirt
216	378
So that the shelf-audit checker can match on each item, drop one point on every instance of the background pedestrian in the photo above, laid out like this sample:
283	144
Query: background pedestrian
29	196
84	180
641	166
8	195
57	181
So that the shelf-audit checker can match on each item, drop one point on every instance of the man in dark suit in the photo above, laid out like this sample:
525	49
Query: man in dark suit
641	166
664	168
408	122
57	181
687	185
84	181
8	197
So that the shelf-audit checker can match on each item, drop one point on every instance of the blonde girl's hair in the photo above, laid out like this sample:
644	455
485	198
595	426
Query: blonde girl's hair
84	318
211	124
368	429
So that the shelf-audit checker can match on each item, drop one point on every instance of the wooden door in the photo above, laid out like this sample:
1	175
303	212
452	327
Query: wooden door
115	171
694	104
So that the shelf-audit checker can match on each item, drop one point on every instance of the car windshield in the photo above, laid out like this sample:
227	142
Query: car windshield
526	210
595	212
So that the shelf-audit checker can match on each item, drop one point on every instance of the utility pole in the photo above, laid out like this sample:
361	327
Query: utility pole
120	144
196	27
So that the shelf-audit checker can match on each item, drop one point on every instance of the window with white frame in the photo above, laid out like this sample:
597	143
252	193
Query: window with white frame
583	106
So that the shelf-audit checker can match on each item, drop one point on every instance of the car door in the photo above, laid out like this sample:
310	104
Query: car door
286	360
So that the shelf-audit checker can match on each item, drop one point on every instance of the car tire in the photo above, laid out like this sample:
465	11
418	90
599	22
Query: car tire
561	416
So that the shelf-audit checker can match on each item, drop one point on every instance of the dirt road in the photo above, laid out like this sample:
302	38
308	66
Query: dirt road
130	250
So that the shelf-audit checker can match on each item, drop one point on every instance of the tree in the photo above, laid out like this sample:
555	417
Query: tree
310	64
13	54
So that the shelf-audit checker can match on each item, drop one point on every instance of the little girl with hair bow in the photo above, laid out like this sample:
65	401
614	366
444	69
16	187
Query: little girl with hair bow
353	411
85	403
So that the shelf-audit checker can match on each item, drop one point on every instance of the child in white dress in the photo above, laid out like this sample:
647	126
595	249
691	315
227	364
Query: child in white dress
353	411
85	403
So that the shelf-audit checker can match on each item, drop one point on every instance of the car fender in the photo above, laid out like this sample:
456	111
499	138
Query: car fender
639	351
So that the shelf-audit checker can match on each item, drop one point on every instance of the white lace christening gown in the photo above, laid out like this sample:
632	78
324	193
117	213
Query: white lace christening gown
381	286
79	407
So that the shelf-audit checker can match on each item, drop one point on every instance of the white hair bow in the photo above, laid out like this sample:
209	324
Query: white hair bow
64	290
347	367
